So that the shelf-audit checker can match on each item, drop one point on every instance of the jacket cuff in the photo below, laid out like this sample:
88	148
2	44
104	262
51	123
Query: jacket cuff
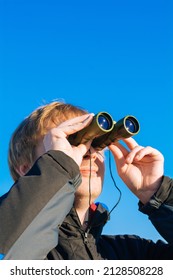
66	162
163	195
68	165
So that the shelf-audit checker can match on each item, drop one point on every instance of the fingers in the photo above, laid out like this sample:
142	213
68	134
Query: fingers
75	120
130	142
139	152
84	147
73	125
56	138
118	150
136	152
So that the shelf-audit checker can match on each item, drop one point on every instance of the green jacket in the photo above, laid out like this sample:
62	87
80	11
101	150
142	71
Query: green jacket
38	221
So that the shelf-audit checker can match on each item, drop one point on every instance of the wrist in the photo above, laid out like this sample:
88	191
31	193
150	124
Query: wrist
145	195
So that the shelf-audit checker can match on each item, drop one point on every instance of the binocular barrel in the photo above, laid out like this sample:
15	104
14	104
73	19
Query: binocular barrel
103	131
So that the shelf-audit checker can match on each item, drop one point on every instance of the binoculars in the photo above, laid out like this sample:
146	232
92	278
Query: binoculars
103	131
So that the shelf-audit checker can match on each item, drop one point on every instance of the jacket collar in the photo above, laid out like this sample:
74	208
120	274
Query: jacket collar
98	218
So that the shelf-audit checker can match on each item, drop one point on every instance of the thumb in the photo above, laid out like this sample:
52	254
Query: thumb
84	147
116	151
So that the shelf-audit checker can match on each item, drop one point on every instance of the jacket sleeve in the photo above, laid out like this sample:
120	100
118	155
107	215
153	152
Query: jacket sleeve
36	205
160	209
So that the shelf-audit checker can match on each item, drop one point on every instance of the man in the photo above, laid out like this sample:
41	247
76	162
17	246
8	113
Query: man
49	213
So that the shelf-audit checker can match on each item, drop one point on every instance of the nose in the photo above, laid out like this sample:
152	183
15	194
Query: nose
92	153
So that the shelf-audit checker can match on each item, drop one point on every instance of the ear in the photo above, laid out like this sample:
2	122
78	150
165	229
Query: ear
23	169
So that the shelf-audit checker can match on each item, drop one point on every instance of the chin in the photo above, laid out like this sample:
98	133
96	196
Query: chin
95	185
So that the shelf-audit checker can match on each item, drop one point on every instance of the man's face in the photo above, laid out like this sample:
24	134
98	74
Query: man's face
92	170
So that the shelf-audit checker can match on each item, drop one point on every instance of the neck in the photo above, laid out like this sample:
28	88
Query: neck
82	209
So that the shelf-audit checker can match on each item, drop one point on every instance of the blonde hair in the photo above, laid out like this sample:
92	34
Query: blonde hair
23	143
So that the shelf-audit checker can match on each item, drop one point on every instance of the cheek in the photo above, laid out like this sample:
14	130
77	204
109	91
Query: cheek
101	171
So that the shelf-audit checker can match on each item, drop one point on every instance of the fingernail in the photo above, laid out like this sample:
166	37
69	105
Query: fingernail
137	157
91	114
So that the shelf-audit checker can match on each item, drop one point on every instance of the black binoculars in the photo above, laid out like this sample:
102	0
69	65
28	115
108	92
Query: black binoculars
103	131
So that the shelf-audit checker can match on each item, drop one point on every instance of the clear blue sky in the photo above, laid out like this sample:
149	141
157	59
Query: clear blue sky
113	56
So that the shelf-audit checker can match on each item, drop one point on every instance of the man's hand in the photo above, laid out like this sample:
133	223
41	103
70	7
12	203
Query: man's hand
56	138
141	168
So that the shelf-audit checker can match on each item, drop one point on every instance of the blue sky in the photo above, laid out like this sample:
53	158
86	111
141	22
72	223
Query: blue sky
113	56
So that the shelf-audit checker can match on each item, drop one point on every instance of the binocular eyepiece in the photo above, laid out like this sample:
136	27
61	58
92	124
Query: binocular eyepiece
103	131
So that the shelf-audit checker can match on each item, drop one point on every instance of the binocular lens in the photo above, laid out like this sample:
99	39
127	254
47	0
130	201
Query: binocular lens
104	122
131	125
